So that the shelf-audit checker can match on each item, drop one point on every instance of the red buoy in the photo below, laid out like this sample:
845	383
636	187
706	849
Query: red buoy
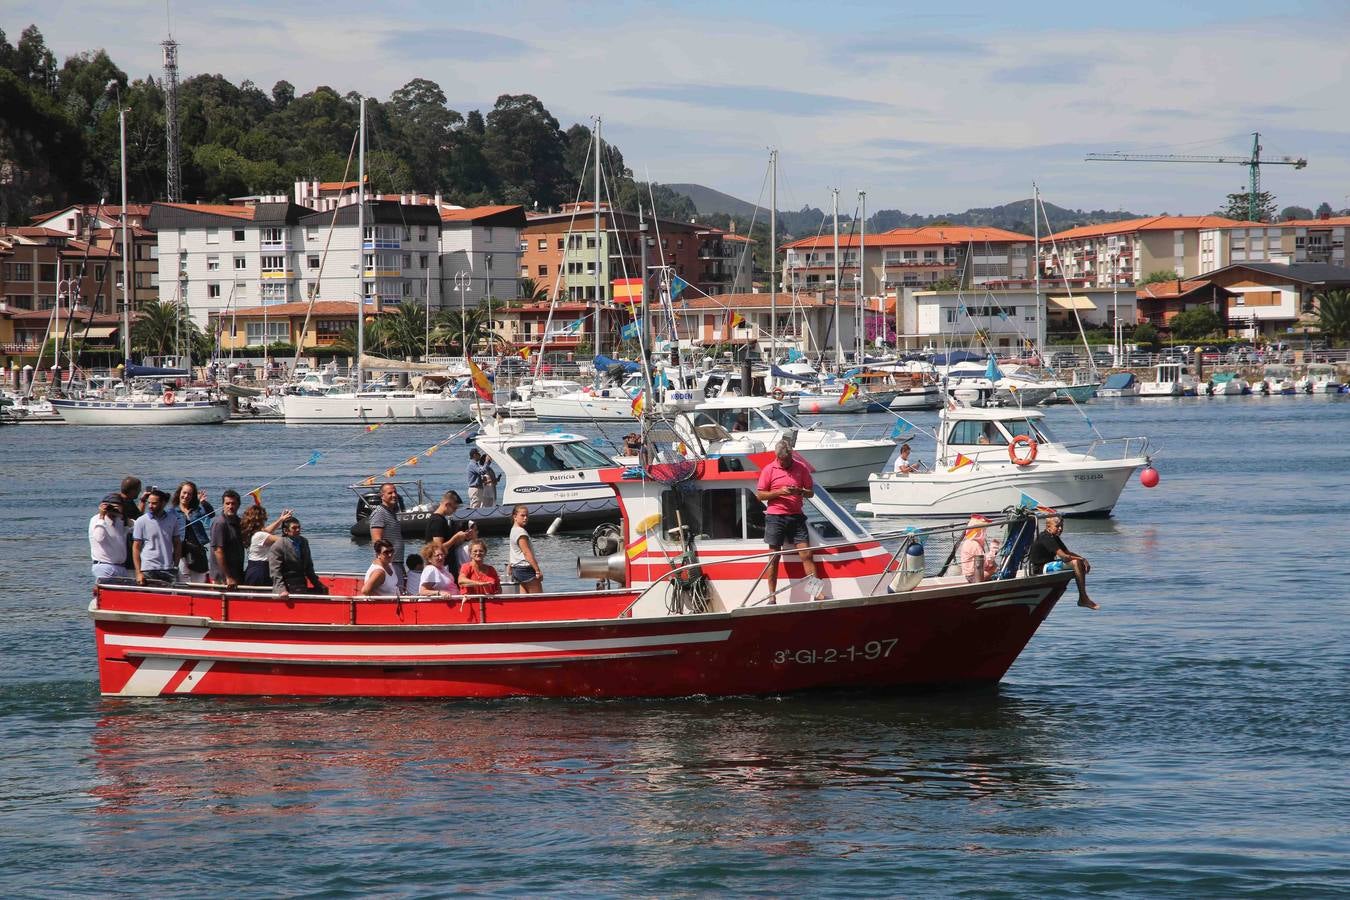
1149	477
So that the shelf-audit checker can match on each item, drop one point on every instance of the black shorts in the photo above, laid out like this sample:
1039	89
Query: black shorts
779	531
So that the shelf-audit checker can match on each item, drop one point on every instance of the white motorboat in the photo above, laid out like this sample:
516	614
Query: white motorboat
1276	379
1226	384
1170	379
838	461
521	403
143	408
610	404
386	407
988	460
1121	384
1320	379
1013	386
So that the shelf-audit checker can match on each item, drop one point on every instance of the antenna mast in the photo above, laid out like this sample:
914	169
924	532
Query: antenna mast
174	174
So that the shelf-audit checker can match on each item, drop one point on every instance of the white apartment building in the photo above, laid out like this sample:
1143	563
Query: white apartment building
480	253
1008	319
269	251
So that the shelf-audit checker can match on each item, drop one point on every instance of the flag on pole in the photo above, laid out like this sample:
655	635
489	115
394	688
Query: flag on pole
961	460
850	391
314	458
900	427
389	472
370	428
573	327
524	352
1026	502
637	548
628	290
677	284
630	331
639	403
256	494
734	319
480	381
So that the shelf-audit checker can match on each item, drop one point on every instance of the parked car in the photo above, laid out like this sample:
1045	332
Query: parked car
1063	359
1103	358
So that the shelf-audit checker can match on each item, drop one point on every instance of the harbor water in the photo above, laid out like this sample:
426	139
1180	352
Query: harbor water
1189	739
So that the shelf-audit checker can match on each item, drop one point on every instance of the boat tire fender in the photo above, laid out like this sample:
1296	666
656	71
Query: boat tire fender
778	394
1024	441
168	398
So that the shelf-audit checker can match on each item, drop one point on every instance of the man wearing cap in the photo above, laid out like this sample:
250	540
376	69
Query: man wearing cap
108	539
977	555
782	485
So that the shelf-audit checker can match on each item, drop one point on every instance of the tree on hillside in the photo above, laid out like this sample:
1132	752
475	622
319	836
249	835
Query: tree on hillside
524	146
1239	209
1196	322
1333	314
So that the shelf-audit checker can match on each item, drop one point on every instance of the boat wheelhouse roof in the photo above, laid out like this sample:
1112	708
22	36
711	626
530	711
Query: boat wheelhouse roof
737	403
991	414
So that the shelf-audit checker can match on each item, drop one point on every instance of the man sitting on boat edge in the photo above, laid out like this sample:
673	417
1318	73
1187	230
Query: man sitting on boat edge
1048	550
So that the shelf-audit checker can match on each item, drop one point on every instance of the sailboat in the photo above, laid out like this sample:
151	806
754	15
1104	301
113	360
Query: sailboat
372	406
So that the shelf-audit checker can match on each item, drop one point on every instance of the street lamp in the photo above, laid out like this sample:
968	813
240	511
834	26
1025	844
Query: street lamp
462	285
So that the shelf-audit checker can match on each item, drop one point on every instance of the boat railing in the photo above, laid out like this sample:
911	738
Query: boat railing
864	431
944	537
1112	448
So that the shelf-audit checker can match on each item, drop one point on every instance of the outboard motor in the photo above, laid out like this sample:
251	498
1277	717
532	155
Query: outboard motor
608	563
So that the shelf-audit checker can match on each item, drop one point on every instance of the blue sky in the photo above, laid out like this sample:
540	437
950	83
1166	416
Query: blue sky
927	107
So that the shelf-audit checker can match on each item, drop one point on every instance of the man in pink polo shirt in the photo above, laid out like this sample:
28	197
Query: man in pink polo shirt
782	485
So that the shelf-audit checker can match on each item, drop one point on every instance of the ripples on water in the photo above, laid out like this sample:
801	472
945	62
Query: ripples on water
1189	739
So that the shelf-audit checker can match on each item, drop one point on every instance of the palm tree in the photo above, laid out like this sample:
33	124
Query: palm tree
448	330
163	327
399	333
1333	313
533	290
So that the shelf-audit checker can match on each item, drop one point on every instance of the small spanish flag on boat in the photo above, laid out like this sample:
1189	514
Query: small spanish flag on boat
961	460
524	352
256	494
734	319
370	428
637	548
639	403
480	381
850	391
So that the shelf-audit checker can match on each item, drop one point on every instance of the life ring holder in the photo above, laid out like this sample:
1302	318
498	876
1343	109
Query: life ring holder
168	398
778	394
1024	441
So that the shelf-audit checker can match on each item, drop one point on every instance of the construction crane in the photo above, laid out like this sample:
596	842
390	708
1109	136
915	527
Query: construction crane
1253	163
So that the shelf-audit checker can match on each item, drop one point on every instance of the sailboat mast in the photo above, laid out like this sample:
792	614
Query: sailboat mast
1036	261
599	334
862	276
773	256
838	344
126	254
361	251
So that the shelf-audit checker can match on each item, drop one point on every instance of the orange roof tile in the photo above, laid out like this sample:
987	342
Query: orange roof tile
923	236
341	185
1150	223
473	212
216	209
1168	290
1332	222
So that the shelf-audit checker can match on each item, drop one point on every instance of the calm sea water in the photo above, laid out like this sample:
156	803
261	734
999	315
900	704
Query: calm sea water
1190	739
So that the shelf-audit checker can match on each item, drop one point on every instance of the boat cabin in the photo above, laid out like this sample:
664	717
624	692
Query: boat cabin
544	467
984	434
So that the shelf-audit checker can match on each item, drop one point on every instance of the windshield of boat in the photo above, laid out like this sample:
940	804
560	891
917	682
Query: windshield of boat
563	457
974	431
1036	430
825	524
717	514
743	419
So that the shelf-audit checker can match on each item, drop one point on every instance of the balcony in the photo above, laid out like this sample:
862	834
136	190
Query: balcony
382	244
281	246
277	275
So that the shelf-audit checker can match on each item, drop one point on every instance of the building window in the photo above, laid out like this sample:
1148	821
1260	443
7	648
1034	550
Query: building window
239	235
407	288
267	332
679	245
407	260
543	271
98	273
422	261
560	244
240	263
213	235
213	290
407	234
422	234
269	263
47	272
271	235
20	271
311	232
543	244
213	263
312	261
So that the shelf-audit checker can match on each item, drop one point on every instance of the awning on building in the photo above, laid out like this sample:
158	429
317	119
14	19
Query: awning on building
1079	303
96	331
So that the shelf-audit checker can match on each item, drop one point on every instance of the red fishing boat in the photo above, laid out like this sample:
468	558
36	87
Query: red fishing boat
682	608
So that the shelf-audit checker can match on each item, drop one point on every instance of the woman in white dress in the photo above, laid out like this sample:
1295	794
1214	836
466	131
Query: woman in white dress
436	578
380	578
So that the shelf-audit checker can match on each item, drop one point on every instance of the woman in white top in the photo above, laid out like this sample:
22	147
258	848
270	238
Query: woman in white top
523	566
258	535
380	579
436	578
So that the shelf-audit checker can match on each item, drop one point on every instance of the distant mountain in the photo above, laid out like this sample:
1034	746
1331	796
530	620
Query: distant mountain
1015	216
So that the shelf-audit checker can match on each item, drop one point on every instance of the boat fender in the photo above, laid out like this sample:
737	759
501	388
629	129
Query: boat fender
1024	441
778	393
911	569
553	529
168	398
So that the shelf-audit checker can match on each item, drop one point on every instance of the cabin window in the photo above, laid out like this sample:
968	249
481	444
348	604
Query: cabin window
974	432
720	514
563	457
1034	430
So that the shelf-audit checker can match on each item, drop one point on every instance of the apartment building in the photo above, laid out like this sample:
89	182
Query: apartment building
1271	299
910	257
101	226
313	330
481	249
270	251
1007	319
559	250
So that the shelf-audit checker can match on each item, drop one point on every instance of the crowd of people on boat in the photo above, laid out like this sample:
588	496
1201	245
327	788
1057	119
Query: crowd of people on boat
155	537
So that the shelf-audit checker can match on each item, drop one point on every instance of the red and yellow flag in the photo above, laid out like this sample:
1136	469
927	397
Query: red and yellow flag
639	403
734	319
961	460
480	381
524	352
637	548
850	391
629	290
370	428
256	494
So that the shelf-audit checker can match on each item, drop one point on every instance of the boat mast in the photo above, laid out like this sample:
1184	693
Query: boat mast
361	251
838	344
599	334
862	277
1036	260
773	256
126	255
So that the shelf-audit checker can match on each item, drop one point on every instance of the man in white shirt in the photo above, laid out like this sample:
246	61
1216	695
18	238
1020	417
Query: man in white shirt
108	540
902	464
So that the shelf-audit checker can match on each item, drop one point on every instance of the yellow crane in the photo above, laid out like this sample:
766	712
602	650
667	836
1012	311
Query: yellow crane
1253	163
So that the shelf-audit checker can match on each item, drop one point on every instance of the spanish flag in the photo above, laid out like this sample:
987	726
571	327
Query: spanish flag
734	319
524	352
639	403
850	391
480	381
256	494
370	428
961	460
637	548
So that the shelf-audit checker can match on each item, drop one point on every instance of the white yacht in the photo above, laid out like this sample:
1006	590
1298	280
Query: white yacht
1121	384
990	459
144	401
402	407
610	404
1226	384
838	461
1170	379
